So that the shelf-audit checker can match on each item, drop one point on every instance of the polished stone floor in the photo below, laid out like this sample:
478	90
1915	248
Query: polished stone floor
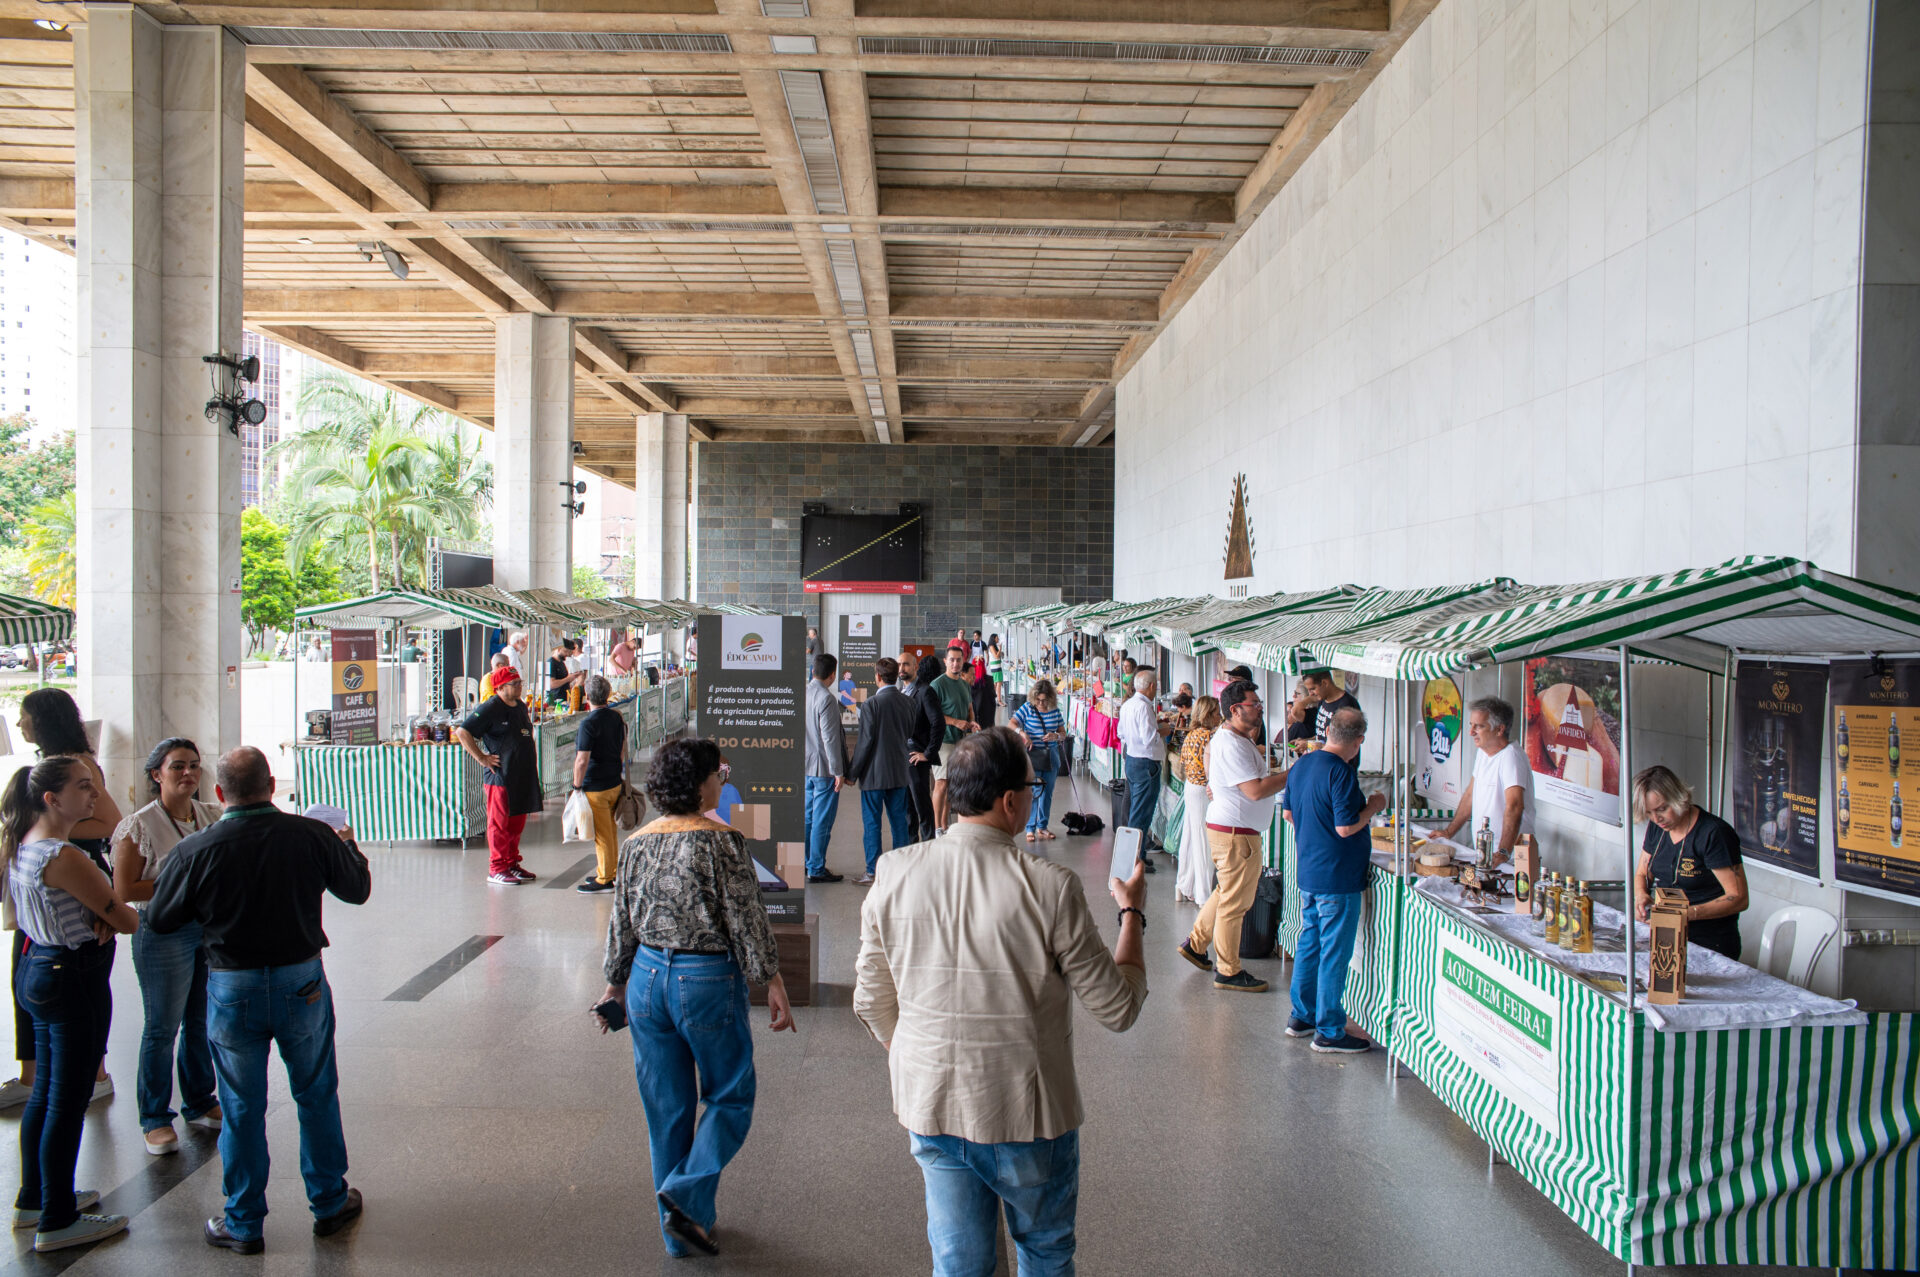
493	1131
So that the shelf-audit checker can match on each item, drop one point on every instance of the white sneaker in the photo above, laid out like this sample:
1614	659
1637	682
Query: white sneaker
14	1093
102	1089
82	1198
88	1228
161	1140
207	1121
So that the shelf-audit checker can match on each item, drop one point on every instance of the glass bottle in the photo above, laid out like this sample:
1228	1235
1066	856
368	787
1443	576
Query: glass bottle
1483	840
1846	807
1565	920
1893	744
1893	816
1552	933
1583	920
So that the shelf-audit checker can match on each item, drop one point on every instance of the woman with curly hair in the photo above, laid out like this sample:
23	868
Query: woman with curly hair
687	933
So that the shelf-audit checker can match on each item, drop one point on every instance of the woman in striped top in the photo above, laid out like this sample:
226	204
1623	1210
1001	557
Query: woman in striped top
1040	724
66	907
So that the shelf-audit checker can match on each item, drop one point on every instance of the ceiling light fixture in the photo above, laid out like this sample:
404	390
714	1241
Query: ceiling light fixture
395	262
48	24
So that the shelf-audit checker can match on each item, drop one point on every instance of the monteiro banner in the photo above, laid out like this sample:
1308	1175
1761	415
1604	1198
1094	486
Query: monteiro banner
1876	713
1779	720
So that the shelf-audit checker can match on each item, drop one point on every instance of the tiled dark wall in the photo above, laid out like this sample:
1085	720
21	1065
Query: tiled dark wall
995	516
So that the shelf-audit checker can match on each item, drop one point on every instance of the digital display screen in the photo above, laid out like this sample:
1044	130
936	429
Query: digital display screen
860	547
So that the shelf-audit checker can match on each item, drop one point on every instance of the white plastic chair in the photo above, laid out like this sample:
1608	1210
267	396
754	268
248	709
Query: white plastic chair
466	691
1813	930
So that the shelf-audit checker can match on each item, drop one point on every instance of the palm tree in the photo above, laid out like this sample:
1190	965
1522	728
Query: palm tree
382	467
50	557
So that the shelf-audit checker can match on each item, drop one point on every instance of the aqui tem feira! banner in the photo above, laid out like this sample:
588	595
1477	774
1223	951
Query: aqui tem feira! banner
1502	1025
1573	735
1779	720
356	687
752	689
1876	716
1437	752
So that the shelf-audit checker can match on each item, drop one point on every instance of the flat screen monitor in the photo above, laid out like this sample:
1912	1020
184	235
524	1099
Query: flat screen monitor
861	547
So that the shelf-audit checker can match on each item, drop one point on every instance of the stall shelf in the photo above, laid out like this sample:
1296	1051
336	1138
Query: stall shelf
395	793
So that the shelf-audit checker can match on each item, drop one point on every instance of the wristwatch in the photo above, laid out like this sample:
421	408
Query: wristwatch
1122	918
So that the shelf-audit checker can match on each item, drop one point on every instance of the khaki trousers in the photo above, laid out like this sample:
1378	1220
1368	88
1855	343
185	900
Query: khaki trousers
606	840
1236	861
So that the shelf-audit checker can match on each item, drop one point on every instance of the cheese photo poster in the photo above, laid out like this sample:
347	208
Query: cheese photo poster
1573	734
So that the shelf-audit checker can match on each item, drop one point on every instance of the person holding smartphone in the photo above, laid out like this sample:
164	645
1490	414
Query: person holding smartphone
1040	724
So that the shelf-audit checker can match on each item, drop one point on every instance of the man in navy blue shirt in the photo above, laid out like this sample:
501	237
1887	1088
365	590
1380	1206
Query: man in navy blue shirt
1330	818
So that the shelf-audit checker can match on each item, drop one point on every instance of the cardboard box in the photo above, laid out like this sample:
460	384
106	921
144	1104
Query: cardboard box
1526	873
755	820
798	943
790	862
1667	952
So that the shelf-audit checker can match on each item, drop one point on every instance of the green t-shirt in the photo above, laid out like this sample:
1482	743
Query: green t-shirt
956	701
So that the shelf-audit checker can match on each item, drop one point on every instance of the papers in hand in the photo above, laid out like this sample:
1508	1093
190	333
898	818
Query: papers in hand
335	818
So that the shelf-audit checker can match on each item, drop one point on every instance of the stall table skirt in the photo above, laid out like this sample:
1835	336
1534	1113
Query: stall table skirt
398	793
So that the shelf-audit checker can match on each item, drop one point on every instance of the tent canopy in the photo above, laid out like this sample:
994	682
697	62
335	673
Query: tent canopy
24	620
423	609
1277	644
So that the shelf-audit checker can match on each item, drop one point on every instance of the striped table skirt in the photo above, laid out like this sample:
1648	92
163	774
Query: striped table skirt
400	793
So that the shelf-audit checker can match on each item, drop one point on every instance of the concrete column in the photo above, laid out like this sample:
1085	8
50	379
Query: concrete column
533	452
160	128
660	514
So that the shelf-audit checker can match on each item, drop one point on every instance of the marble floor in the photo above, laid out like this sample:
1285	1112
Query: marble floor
493	1131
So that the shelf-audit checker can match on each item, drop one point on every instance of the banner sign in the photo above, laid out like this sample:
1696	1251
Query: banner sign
752	703
1437	755
356	687
858	587
1779	720
1573	735
1874	713
859	649
1502	1026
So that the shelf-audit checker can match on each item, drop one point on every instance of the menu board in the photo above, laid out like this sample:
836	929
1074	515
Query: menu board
356	688
1876	709
1573	735
1779	719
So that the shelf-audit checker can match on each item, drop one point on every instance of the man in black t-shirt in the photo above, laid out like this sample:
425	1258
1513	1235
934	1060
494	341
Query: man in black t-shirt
499	736
1333	698
599	765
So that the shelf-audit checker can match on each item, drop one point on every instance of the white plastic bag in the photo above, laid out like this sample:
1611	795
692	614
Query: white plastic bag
576	822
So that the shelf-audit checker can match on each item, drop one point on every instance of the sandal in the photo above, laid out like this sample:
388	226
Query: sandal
1048	834
1030	835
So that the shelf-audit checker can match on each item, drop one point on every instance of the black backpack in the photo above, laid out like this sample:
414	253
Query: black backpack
1260	932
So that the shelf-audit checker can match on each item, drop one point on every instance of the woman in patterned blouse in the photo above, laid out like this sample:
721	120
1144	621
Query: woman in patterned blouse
687	934
1193	879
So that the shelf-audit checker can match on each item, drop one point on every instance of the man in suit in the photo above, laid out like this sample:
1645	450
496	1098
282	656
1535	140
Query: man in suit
887	722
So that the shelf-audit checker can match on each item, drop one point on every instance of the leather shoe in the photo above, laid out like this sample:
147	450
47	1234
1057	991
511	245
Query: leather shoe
826	876
217	1235
333	1223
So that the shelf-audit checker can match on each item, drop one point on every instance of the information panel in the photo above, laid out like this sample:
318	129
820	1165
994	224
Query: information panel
1573	735
859	649
752	705
1874	715
1779	718
356	687
1505	1027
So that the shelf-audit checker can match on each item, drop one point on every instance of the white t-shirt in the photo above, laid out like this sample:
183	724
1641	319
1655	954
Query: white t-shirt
1493	776
1232	759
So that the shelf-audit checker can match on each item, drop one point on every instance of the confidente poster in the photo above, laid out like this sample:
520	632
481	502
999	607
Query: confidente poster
1779	719
1874	716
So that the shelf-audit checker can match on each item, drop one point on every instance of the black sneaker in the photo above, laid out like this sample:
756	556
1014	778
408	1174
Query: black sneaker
1239	982
1345	1044
218	1236
826	875
1197	959
593	886
1148	862
1298	1028
333	1223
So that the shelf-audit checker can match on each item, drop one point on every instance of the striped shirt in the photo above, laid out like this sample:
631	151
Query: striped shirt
50	916
1037	722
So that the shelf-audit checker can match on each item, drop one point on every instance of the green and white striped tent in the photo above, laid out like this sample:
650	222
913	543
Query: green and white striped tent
1759	606
423	609
1199	633
1276	644
24	620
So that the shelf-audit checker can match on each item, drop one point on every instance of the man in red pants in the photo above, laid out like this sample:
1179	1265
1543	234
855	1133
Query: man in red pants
499	736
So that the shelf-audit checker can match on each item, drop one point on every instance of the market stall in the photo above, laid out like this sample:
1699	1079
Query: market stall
25	620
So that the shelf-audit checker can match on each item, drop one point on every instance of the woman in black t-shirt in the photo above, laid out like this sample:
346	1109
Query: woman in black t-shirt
1692	850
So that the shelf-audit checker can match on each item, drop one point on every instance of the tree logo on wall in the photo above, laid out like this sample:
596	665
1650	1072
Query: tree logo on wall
1239	548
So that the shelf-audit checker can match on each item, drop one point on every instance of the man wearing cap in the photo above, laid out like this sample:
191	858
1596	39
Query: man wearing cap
499	736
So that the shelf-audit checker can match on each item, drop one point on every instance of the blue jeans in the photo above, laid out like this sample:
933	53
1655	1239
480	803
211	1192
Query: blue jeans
692	1046
247	1011
173	991
66	991
823	804
1042	801
1038	1183
1143	796
1328	922
894	803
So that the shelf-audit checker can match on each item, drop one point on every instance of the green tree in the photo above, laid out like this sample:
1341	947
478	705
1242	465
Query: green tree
29	474
269	590
588	584
50	557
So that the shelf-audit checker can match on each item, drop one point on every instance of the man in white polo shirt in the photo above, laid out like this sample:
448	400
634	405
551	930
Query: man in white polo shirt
1501	791
1241	792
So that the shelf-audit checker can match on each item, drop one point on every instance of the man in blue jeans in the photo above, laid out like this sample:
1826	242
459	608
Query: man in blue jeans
982	1067
826	765
1330	819
253	882
888	719
1144	738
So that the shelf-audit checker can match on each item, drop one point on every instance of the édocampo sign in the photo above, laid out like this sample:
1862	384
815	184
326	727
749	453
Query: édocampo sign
750	643
1505	1027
